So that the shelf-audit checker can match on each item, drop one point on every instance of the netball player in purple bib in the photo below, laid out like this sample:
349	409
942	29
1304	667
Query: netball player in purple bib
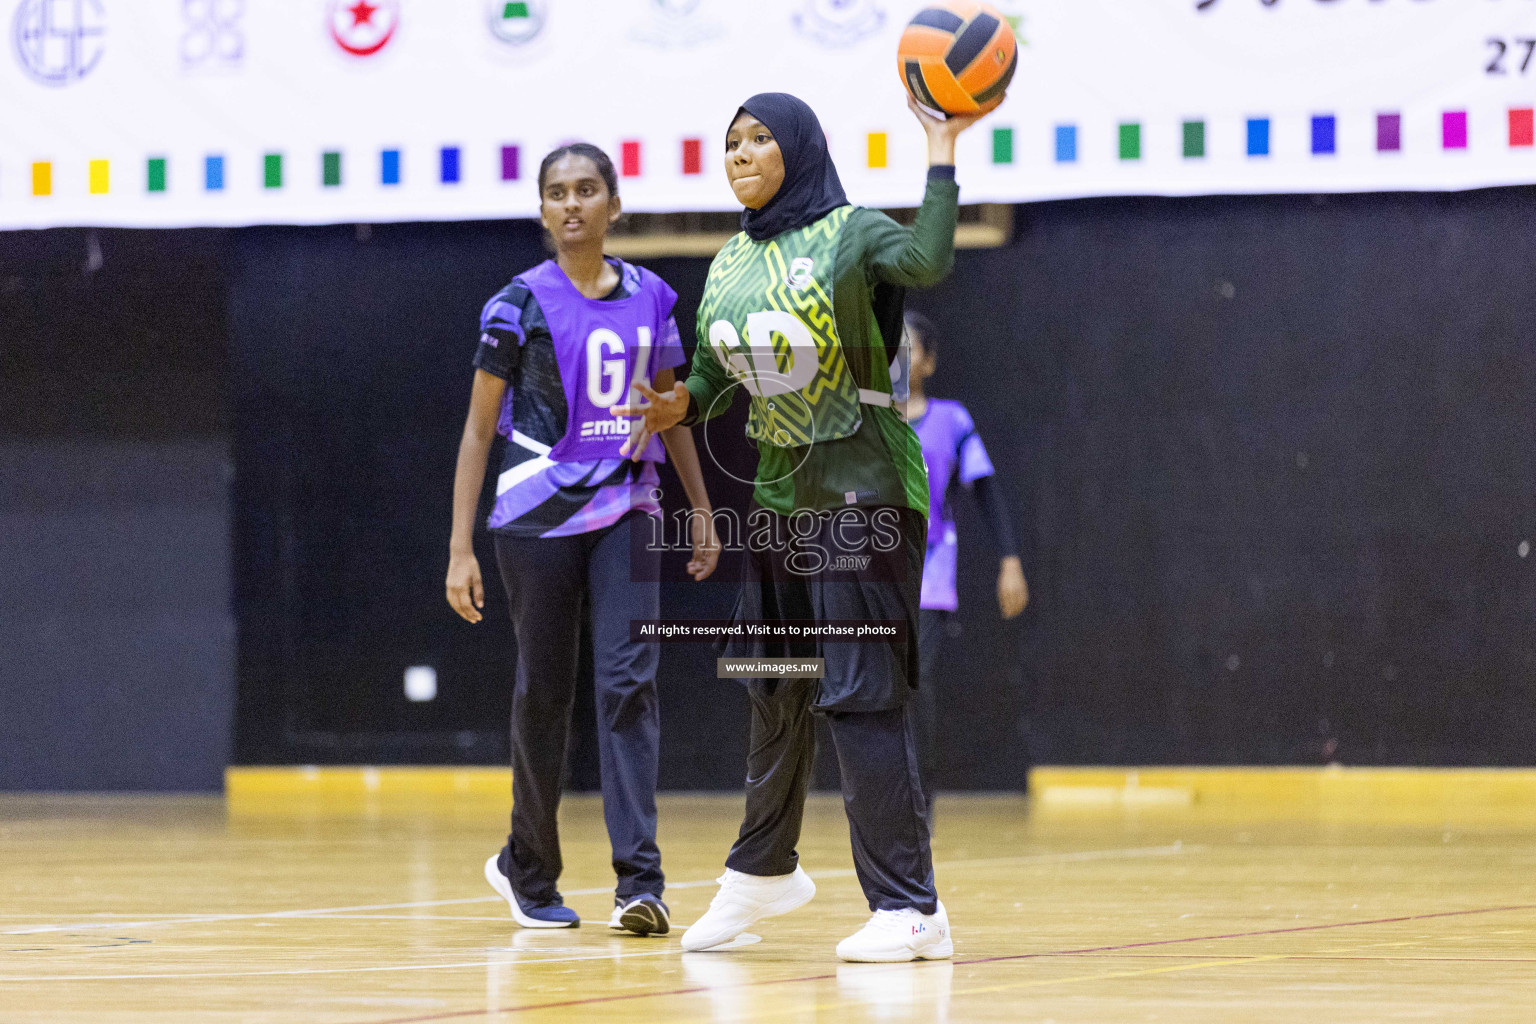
559	346
953	453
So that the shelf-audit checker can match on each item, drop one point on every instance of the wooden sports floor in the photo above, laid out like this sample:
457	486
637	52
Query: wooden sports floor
1099	909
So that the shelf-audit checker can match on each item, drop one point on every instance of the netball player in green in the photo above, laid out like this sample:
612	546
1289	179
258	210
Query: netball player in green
802	310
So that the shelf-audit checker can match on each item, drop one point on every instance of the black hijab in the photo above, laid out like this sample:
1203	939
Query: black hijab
811	189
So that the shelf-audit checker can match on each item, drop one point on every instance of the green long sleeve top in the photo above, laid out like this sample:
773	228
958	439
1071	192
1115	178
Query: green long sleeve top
882	462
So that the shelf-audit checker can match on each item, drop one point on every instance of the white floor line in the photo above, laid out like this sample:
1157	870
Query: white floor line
1070	857
206	918
415	917
481	963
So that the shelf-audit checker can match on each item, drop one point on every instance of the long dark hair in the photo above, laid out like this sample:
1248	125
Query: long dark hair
600	160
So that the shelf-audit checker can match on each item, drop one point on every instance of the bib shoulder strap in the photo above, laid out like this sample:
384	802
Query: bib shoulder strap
545	275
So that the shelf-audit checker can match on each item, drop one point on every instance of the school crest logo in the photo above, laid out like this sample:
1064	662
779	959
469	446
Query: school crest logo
517	21
363	27
676	25
59	43
214	37
799	275
838	23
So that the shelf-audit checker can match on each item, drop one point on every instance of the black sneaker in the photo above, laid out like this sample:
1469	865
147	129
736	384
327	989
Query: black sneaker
643	915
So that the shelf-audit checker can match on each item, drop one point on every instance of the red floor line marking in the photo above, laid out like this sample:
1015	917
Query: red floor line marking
1266	931
696	989
1321	956
1427	959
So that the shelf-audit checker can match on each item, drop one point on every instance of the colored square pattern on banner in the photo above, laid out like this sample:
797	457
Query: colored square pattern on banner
1194	139
1066	143
875	150
1522	127
1324	135
1453	129
1130	141
1389	133
1258	136
1002	145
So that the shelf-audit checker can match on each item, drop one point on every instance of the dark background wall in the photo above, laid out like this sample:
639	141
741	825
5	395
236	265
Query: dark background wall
1279	459
1273	455
117	639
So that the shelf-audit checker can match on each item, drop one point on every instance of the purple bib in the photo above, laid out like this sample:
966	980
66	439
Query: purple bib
603	347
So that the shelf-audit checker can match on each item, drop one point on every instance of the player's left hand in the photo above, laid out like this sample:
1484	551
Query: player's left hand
663	411
1012	590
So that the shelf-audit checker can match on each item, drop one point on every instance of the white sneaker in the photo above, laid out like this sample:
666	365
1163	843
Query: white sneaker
744	900
895	936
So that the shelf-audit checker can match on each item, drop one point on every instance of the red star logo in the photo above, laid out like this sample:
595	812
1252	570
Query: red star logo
363	27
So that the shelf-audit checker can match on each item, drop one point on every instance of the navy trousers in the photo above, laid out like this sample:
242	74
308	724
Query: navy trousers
882	793
547	581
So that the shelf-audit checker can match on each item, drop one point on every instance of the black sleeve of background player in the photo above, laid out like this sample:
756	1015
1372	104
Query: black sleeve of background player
994	509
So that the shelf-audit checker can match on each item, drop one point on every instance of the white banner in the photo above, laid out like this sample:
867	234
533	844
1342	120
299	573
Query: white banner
162	113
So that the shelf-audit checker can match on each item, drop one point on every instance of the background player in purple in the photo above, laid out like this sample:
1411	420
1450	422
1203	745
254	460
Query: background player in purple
954	452
559	346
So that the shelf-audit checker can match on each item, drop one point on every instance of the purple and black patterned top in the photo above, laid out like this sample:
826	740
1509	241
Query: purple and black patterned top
566	359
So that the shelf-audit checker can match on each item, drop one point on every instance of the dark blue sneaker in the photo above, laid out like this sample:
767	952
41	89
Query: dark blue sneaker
547	915
643	914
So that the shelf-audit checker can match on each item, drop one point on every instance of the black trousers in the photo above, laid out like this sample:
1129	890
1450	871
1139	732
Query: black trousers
932	626
547	580
882	794
866	701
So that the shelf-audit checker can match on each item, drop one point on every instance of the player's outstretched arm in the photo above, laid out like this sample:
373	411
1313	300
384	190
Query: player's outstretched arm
919	256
